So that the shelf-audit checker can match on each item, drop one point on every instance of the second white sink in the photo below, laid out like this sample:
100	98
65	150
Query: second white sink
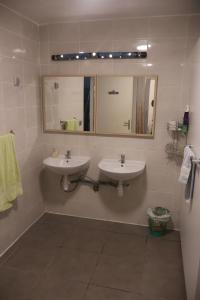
116	170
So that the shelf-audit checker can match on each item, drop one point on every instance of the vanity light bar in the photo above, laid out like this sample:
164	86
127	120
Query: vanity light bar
100	55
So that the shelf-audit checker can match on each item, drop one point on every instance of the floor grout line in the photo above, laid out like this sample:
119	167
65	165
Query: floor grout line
86	290
114	289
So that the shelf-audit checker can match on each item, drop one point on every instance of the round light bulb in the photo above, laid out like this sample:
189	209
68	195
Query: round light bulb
94	54
110	55
77	56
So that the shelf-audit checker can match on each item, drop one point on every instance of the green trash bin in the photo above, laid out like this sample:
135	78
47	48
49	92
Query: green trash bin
158	218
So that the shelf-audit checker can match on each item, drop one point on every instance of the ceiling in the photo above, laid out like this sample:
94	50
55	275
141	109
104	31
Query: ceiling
50	11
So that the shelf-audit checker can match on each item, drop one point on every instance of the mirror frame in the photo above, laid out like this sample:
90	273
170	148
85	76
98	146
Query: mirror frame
94	133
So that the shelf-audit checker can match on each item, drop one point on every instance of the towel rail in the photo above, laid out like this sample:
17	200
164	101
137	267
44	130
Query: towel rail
196	161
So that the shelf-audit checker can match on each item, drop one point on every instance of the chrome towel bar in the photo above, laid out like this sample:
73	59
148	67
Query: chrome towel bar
196	161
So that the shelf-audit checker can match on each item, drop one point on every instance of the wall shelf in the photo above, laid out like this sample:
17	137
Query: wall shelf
175	149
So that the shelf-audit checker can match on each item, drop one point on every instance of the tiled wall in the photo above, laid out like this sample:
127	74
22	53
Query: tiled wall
190	221
166	58
20	111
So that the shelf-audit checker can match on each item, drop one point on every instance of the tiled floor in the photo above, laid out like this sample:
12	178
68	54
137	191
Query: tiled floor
66	258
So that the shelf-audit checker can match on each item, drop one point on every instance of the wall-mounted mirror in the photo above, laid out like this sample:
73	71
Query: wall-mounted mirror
126	105
108	105
69	103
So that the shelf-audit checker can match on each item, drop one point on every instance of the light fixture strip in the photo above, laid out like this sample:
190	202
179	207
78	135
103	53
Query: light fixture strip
99	55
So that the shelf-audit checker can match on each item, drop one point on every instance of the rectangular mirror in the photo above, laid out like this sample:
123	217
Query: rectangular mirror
69	103
108	105
126	105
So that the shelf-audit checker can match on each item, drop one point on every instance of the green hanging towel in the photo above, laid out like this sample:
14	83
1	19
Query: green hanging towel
10	179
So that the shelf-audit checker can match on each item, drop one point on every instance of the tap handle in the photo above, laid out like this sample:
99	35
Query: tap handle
68	154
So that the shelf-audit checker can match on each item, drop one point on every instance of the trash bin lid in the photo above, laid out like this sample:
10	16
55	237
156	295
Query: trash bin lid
159	213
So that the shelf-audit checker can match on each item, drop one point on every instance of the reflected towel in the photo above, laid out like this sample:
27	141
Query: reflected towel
186	165
72	125
10	179
189	189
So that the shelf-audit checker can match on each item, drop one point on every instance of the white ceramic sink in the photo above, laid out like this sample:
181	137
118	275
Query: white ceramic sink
115	170
64	166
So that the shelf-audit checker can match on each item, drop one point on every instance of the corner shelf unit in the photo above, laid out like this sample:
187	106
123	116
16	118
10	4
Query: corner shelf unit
175	149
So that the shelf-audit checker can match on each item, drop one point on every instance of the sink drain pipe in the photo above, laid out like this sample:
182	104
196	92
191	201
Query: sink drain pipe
120	189
69	186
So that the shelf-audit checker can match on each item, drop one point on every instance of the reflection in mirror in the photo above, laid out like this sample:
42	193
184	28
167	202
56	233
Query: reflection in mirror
126	105
69	103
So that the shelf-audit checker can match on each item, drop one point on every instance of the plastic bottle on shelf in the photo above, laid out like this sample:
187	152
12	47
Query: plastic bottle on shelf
186	120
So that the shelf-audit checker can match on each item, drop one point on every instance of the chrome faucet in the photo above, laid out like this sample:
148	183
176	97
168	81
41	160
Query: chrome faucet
122	159
68	154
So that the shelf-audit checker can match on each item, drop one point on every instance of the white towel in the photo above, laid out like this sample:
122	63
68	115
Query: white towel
186	165
189	189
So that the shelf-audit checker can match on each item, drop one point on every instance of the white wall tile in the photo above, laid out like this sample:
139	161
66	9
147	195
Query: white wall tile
30	30
10	69
95	31
10	21
194	25
2	121
31	50
11	44
44	53
96	67
13	96
166	50
96	46
30	73
168	73
172	26
1	96
44	33
130	44
63	32
63	47
133	67
130	28
31	95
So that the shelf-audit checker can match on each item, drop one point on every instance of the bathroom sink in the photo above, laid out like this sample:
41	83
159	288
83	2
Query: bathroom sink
63	166
116	170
